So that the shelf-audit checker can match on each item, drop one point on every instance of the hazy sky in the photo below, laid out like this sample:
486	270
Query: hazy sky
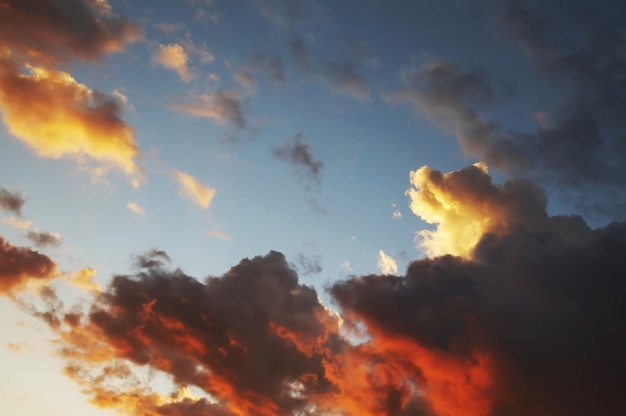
294	207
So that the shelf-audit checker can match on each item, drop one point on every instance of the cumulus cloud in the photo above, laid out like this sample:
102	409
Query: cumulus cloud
386	263
577	146
191	188
57	116
43	238
18	265
527	323
174	57
11	201
219	106
465	204
298	153
134	208
341	75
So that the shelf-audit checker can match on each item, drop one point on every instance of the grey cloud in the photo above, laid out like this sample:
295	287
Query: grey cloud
270	66
43	238
298	153
342	75
308	265
11	201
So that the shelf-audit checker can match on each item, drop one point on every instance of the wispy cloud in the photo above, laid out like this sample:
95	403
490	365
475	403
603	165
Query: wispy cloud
191	188
219	106
214	232
174	57
298	153
11	201
134	208
42	239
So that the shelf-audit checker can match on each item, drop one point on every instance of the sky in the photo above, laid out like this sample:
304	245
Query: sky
312	207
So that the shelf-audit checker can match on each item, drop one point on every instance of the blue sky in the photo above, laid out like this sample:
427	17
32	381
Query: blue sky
218	131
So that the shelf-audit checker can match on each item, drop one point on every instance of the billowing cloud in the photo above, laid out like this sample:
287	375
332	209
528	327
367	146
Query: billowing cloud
43	238
298	153
20	264
526	324
577	146
465	204
191	188
174	57
134	208
57	116
340	75
386	263
219	106
11	201
45	107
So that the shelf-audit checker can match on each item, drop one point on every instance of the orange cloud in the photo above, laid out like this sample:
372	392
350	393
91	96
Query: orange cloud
175	58
220	106
191	188
56	116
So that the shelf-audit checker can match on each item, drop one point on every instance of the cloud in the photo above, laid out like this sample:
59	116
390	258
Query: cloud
214	232
308	265
577	146
287	12
18	223
49	32
191	188
299	154
386	263
465	204
219	106
271	66
11	201
43	238
396	215
169	27
20	264
57	116
134	208
45	107
341	75
529	320
175	58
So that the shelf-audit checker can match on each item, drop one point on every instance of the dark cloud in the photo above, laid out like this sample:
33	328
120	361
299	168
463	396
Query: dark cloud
43	238
19	264
578	49
51	31
531	323
11	201
298	153
341	75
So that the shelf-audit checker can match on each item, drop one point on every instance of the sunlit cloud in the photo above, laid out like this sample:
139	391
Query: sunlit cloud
175	58
18	265
57	116
134	208
191	188
219	106
214	232
386	263
17	223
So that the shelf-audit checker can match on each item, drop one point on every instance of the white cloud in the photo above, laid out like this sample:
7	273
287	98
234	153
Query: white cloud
386	263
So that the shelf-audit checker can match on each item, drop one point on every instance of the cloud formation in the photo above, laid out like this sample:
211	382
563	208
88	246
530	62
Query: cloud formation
11	201
134	208
43	238
270	66
386	263
174	57
20	264
220	106
341	75
578	145
298	153
45	107
191	188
